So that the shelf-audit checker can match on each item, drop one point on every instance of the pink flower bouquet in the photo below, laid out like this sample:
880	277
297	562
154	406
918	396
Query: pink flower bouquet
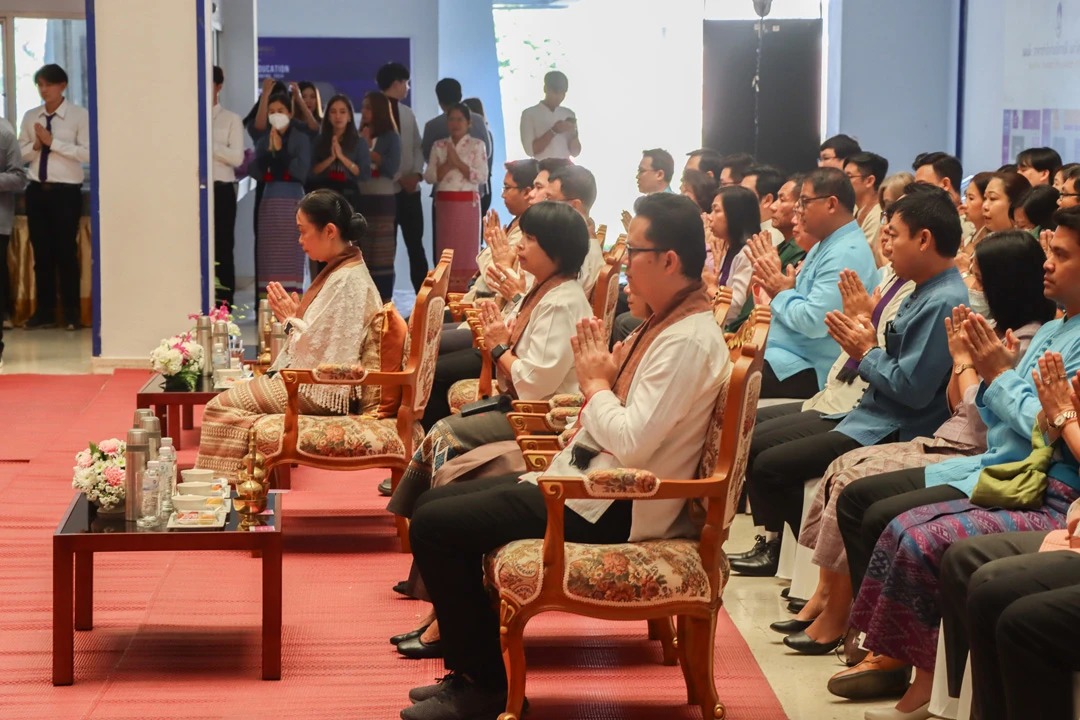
99	473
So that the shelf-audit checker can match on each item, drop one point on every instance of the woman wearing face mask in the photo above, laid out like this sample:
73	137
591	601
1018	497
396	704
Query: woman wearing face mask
1011	266
458	168
1002	195
378	202
282	161
328	325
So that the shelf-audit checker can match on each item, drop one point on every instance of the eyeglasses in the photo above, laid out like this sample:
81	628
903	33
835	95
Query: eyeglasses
643	170
856	177
825	159
1064	194
801	203
508	188
631	250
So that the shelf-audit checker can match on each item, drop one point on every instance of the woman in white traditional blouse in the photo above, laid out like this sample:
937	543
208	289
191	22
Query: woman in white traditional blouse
328	325
457	168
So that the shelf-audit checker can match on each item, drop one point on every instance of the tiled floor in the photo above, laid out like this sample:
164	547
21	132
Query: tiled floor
753	603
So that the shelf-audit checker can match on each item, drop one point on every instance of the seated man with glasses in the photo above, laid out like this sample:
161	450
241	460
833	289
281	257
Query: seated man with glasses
800	351
907	376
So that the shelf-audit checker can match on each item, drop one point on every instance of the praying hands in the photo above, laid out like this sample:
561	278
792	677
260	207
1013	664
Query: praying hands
495	330
596	367
856	335
283	305
767	268
1052	385
989	354
856	301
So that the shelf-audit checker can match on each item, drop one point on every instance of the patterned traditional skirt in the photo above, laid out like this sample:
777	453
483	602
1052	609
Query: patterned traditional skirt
458	228
820	531
229	417
278	255
899	605
448	439
379	243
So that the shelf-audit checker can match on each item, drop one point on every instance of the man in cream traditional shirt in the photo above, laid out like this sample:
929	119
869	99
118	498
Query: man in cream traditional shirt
766	181
55	142
393	81
637	414
227	132
549	130
866	170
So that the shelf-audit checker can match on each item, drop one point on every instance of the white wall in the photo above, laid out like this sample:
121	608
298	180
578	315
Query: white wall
149	223
896	94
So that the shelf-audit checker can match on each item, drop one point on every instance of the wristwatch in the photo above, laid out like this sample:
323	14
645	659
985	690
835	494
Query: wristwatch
1062	420
959	369
498	350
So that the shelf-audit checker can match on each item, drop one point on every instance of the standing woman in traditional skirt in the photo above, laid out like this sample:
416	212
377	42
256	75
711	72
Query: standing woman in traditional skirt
457	168
283	161
342	160
378	202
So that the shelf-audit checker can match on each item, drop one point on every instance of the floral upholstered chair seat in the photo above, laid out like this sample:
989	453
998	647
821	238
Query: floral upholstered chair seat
336	436
462	393
624	575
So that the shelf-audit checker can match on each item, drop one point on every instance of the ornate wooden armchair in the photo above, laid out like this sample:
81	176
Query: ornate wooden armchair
357	442
650	580
619	242
605	300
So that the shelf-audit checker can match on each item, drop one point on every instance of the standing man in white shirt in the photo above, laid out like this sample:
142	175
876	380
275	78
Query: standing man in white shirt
55	142
549	130
227	132
393	81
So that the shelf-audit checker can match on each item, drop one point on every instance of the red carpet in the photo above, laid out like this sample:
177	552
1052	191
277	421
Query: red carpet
177	634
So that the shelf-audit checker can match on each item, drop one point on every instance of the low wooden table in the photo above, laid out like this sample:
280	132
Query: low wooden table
82	533
176	409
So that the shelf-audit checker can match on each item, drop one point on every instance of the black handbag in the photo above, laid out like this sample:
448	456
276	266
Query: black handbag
496	403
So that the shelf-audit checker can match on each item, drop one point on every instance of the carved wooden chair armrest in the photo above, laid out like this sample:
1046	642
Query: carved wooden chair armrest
538	443
529	424
533	407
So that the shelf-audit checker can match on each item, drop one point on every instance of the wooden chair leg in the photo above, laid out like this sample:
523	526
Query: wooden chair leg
700	636
685	660
401	522
283	476
661	629
513	646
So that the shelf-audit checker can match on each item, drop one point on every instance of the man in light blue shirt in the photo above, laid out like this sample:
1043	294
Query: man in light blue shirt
800	351
1007	402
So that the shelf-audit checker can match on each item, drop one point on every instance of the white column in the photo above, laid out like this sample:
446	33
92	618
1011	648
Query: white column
151	273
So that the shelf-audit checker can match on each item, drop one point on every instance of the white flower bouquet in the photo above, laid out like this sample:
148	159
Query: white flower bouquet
179	359
99	473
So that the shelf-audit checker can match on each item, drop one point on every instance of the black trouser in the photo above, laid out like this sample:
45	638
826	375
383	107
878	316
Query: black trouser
789	448
52	215
803	385
865	508
449	368
963	561
623	326
6	306
454	338
410	218
453	527
225	239
1024	615
434	243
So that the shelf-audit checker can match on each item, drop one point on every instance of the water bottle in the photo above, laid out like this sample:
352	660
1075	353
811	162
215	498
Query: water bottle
221	359
150	495
167	460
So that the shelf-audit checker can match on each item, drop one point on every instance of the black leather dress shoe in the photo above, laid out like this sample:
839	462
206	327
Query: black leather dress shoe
803	643
790	627
759	546
796	606
784	593
760	564
402	588
417	649
398	639
386	488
